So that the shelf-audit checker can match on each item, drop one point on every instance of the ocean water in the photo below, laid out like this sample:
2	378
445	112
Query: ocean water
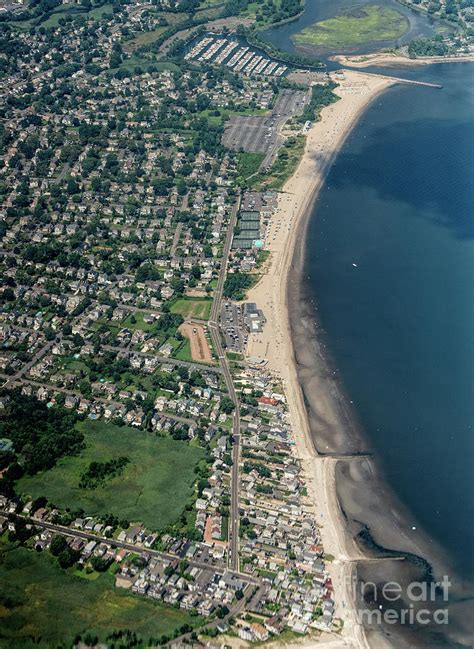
390	260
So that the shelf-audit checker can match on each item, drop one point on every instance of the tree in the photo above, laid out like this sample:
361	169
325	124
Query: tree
68	557
7	295
41	434
235	285
99	564
227	405
58	545
222	611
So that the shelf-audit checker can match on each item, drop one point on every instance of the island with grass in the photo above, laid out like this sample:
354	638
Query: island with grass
370	23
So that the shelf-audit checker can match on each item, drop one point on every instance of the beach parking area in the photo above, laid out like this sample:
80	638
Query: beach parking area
261	134
200	350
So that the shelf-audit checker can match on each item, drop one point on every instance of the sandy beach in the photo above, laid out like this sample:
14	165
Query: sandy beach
345	489
390	59
284	240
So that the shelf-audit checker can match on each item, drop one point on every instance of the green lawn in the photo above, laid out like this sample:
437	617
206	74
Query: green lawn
205	4
153	488
131	63
192	307
61	12
284	166
175	344
43	606
225	528
235	356
98	12
184	352
217	116
139	323
145	38
362	25
248	164
73	9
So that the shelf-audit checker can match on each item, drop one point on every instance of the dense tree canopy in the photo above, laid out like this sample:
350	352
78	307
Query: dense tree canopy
40	435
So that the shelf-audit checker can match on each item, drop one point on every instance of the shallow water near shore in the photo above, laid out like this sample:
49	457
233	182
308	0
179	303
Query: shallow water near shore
390	262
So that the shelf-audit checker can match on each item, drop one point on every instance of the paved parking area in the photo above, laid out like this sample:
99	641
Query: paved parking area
250	133
261	134
233	327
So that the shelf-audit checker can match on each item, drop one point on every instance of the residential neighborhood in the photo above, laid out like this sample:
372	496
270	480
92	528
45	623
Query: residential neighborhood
142	449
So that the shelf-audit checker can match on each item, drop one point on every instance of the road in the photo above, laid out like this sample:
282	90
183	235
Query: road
262	133
167	360
138	549
39	354
233	553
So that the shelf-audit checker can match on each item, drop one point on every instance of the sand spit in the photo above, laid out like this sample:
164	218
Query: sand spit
390	59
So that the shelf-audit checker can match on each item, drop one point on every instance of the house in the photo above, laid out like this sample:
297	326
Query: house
259	631
89	548
274	625
246	633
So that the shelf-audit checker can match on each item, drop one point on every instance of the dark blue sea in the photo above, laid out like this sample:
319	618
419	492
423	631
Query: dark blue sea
390	257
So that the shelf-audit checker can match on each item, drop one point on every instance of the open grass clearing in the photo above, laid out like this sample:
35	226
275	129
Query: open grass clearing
284	166
192	308
248	164
135	321
48	606
144	38
153	488
358	26
75	10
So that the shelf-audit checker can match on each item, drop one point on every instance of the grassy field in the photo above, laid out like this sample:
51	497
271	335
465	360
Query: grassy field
72	9
285	164
184	352
217	116
139	323
131	63
43	606
61	12
205	4
192	307
145	38
153	488
365	24
248	164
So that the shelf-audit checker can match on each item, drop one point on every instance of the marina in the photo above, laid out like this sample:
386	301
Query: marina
247	61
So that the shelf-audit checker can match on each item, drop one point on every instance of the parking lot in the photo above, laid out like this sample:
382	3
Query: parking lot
232	324
262	134
251	134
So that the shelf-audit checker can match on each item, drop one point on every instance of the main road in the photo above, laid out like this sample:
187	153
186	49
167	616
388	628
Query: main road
130	547
233	553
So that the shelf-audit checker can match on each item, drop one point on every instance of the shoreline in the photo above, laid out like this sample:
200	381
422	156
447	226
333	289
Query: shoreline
275	294
362	523
391	59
